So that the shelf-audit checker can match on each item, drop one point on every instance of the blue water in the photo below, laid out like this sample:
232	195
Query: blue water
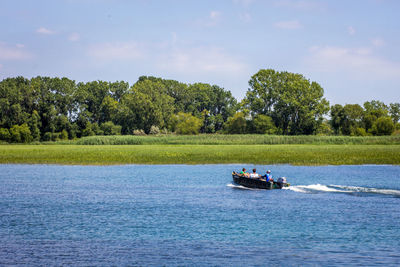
178	215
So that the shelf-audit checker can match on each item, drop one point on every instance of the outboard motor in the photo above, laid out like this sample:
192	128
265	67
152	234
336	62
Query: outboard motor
281	181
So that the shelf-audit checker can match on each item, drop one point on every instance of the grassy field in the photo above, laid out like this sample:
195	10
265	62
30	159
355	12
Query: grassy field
201	154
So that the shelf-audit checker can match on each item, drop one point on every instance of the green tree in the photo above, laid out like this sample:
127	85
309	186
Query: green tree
373	110
211	103
109	128
64	135
325	128
5	134
383	126
146	105
394	111
264	124
185	123
177	90
337	118
20	134
296	105
34	125
17	101
353	115
90	97
108	109
237	124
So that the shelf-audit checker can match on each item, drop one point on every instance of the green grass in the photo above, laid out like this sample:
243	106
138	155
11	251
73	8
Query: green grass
215	139
201	154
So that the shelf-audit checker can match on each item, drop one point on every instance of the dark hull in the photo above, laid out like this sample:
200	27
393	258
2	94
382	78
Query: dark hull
257	183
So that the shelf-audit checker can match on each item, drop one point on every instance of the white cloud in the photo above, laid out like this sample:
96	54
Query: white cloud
360	62
378	42
214	15
212	20
16	52
290	24
116	51
351	30
73	37
43	30
200	60
175	57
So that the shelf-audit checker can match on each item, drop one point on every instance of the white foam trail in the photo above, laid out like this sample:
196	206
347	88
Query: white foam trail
316	188
240	187
392	192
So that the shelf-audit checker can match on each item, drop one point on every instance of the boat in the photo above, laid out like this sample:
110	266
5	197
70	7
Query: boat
259	183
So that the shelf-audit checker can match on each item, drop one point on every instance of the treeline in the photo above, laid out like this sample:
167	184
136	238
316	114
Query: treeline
45	109
49	109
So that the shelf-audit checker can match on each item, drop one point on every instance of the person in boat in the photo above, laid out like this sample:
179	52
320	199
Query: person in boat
244	173
268	176
254	174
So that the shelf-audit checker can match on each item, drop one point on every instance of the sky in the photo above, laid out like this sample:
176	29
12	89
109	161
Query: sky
350	47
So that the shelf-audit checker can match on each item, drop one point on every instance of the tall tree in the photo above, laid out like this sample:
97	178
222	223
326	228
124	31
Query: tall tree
337	118
353	115
296	105
394	111
373	110
147	105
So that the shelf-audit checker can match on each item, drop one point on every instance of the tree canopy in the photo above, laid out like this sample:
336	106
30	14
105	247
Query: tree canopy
45	109
295	104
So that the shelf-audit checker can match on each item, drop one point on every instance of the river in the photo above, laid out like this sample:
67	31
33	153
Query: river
192	215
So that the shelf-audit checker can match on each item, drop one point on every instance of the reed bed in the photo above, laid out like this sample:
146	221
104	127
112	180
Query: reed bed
201	154
215	139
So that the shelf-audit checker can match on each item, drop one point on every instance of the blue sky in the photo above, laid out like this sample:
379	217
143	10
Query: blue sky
349	47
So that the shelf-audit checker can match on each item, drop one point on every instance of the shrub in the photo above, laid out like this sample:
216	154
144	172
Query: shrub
164	131
236	124
359	132
55	136
20	134
396	133
154	130
5	134
25	133
88	132
47	136
187	124
109	128
383	126
91	129
64	135
139	132
264	124
324	129
96	129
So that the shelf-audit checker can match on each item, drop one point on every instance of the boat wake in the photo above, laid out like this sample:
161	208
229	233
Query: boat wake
234	186
354	190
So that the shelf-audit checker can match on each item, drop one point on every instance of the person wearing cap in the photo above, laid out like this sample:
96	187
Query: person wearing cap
268	176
